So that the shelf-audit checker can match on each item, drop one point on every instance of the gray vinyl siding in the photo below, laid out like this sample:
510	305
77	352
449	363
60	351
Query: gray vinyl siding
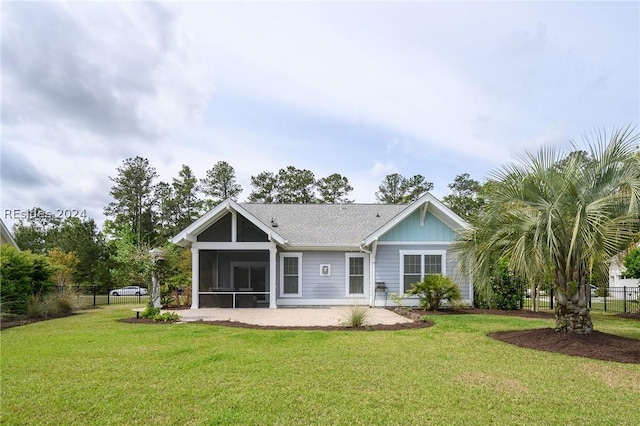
315	286
388	266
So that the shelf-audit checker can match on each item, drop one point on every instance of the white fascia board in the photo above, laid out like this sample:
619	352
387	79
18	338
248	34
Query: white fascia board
324	247
274	236
191	232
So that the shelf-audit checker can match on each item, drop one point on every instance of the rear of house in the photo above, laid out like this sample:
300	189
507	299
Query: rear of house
274	255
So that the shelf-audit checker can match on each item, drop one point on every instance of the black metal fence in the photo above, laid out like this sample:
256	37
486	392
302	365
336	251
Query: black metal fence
616	300
106	295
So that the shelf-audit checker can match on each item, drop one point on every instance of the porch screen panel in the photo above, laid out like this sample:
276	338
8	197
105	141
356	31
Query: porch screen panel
356	275
412	270
291	273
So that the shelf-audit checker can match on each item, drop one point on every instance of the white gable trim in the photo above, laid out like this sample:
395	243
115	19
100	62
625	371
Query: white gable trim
426	202
190	233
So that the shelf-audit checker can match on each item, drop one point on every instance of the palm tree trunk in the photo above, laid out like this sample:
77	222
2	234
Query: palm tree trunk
572	312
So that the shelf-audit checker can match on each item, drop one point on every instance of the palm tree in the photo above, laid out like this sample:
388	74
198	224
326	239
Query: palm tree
557	217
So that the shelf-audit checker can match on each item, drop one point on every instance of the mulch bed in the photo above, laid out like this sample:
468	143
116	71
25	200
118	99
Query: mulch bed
595	345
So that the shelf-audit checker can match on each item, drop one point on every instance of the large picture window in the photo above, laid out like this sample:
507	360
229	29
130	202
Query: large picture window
291	274
414	265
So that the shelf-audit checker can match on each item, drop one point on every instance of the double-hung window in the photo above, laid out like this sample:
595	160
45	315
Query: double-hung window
415	264
356	274
291	274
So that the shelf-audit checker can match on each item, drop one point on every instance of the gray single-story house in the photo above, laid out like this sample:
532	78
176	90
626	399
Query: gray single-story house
274	255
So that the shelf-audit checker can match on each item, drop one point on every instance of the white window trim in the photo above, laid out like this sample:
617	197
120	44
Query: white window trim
365	278
422	253
299	257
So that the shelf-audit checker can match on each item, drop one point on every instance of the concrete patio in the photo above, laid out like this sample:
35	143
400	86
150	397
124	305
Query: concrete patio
290	317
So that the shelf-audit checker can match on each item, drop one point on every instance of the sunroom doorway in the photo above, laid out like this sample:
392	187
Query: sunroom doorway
250	278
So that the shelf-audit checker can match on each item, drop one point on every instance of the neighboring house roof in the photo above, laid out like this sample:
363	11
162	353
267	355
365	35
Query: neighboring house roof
5	235
318	225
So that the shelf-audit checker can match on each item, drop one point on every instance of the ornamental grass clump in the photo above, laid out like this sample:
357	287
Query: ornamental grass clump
433	290
356	316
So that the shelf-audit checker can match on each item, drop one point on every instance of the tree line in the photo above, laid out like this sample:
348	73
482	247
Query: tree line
154	211
145	212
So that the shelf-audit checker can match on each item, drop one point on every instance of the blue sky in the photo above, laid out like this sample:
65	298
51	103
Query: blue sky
363	89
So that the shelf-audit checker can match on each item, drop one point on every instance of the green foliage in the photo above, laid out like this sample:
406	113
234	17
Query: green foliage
130	264
220	184
22	274
167	317
188	207
466	199
632	263
150	311
434	289
265	186
59	303
132	208
334	188
397	300
506	291
556	214
396	189
66	300
356	316
471	378
73	234
295	186
154	314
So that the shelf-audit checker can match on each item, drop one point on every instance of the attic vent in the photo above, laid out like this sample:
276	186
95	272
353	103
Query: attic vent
377	214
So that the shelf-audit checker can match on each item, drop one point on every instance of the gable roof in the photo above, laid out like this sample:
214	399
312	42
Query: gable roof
5	235
322	225
325	224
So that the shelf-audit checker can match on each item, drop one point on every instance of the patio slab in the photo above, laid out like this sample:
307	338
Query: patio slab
290	317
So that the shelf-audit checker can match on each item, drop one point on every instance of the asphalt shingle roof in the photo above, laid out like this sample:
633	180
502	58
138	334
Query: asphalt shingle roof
324	224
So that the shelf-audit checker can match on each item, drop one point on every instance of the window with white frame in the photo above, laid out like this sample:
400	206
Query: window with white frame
414	265
291	274
355	278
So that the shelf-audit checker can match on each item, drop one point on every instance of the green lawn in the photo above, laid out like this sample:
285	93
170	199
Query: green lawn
91	369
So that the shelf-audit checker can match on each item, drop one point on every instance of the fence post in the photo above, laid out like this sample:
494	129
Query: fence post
624	297
94	295
551	298
108	294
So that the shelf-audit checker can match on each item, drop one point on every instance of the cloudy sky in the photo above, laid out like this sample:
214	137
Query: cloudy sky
361	89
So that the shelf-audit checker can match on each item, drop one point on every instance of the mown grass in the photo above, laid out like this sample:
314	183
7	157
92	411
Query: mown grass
91	369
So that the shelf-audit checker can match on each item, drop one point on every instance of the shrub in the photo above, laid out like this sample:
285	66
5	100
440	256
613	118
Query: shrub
434	289
66	301
397	300
22	274
150	311
356	316
35	307
167	317
154	314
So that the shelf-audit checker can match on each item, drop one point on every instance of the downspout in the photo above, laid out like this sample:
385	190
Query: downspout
372	270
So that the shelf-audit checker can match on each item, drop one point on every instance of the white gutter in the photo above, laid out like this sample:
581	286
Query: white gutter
372	271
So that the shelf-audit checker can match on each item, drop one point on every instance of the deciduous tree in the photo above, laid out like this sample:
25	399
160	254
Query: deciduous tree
465	199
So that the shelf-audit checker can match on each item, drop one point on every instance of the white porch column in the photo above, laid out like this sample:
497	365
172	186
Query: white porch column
272	278
195	278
